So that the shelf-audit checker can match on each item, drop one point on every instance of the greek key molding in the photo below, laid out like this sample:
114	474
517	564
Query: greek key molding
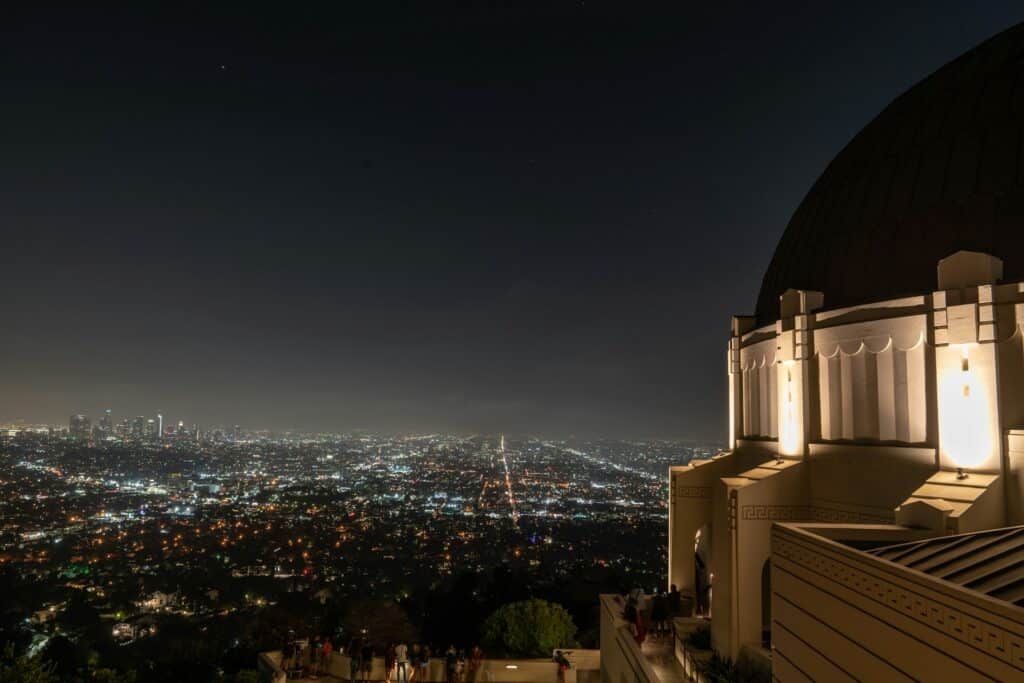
693	492
966	628
822	514
776	513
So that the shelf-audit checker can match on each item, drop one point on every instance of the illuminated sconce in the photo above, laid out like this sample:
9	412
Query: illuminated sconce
965	418
965	369
789	437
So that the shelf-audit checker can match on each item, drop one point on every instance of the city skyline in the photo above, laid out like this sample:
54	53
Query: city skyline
519	218
147	427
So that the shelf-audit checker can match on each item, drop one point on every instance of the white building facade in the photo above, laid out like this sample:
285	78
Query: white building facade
876	397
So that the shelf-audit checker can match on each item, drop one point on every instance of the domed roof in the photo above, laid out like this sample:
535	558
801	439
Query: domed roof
939	170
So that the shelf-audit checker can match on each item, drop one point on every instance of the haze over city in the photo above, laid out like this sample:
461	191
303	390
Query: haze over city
519	218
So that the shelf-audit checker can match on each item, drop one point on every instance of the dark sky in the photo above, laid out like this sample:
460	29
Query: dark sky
464	217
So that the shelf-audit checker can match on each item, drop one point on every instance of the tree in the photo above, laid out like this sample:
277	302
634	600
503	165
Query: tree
67	656
530	628
24	669
384	622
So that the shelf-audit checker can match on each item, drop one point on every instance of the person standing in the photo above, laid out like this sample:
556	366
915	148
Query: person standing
675	602
639	628
355	664
659	613
629	611
424	663
367	660
389	662
460	667
414	661
563	665
328	653
302	657
316	647
287	655
401	663
476	663
450	662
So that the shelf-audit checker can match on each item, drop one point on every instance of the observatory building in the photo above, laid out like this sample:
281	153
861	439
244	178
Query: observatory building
861	524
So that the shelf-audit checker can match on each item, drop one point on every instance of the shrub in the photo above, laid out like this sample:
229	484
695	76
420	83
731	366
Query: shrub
531	628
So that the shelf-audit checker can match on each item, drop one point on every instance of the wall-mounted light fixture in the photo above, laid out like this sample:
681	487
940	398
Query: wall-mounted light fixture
788	437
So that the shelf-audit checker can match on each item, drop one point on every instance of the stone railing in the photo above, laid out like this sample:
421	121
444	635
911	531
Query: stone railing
269	666
693	660
496	670
622	661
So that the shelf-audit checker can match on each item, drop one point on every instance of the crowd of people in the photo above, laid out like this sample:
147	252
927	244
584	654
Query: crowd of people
402	663
651	615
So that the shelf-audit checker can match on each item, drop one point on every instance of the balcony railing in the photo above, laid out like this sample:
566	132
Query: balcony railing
497	670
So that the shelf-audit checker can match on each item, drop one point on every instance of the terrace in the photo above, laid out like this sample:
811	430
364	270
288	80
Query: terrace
624	660
586	669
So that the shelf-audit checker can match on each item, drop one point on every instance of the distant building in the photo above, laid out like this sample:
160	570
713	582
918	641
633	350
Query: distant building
139	427
158	601
134	629
80	427
107	423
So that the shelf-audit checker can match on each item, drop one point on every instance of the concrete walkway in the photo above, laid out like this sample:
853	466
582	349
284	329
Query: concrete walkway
660	653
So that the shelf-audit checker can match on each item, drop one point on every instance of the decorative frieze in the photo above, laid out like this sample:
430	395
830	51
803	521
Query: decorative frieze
776	513
692	492
945	618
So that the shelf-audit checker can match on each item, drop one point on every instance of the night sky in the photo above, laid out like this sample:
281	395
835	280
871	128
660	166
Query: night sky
430	216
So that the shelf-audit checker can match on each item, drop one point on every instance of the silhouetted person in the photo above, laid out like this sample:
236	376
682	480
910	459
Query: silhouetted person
355	654
367	661
563	664
326	654
450	662
315	650
629	612
414	663
424	663
675	602
476	662
389	662
659	613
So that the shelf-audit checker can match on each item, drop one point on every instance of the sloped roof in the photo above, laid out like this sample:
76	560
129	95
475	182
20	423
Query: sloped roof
989	562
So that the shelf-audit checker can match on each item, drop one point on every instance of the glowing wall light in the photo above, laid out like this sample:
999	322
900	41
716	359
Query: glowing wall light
964	424
789	433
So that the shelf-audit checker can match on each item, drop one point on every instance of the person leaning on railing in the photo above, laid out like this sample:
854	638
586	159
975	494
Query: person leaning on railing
563	664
